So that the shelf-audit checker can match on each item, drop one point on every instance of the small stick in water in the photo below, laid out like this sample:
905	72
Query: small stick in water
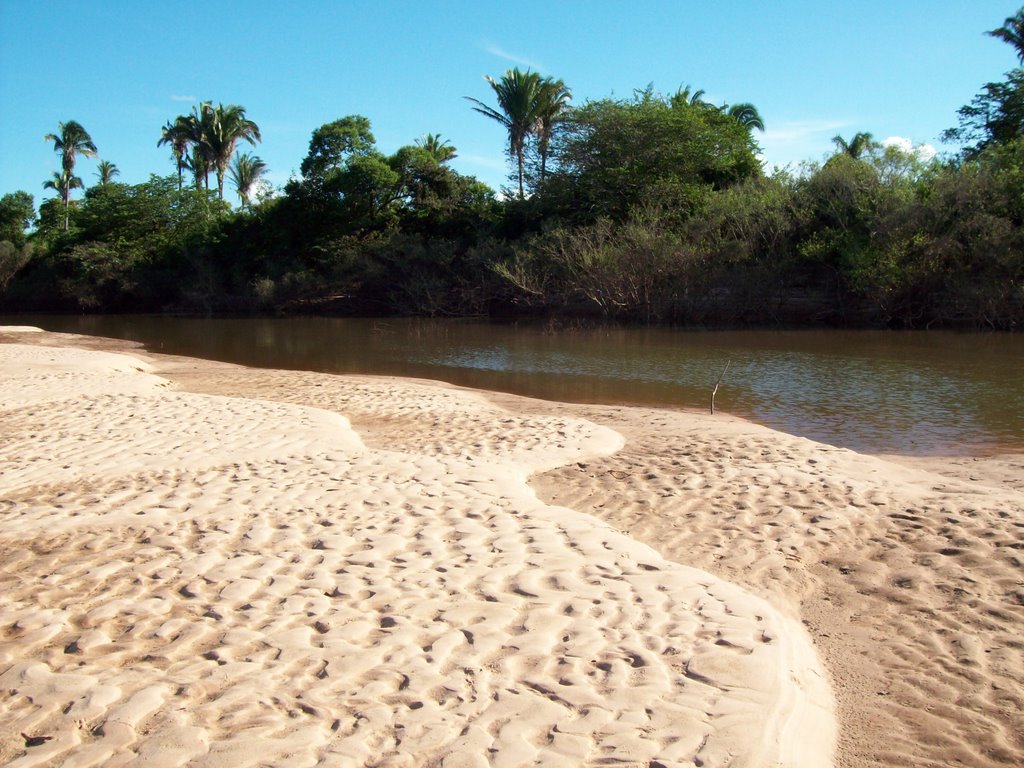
715	390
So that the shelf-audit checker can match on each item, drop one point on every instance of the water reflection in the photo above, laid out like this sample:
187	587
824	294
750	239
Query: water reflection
916	393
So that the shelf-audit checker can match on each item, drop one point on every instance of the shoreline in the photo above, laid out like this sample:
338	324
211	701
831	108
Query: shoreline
852	546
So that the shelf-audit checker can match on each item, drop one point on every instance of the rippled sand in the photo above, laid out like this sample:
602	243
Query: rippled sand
283	568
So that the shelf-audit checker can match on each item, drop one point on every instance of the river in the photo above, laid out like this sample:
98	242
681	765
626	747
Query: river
912	393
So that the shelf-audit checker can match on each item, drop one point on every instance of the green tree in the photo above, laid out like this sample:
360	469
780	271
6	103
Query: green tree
347	183
993	118
106	171
685	96
747	115
63	183
133	246
223	128
332	144
1012	32
70	141
199	126
552	104
178	134
857	146
518	94
368	186
434	198
616	156
206	139
246	172
17	213
440	149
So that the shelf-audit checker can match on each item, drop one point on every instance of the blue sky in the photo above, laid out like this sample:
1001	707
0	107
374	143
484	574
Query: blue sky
123	68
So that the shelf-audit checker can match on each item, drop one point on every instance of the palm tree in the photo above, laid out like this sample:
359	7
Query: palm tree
246	172
440	149
686	97
747	115
71	141
199	126
855	147
1012	32
517	94
178	135
223	128
106	171
62	183
552	102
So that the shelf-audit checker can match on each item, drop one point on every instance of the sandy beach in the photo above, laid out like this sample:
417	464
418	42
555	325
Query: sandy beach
208	565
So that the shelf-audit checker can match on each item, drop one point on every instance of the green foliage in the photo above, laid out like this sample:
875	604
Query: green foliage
440	149
856	147
995	116
246	173
648	209
12	259
17	213
1012	32
528	106
205	140
747	115
638	269
616	156
106	171
127	244
70	141
333	144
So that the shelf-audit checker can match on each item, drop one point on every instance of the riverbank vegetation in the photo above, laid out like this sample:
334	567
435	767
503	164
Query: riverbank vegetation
652	208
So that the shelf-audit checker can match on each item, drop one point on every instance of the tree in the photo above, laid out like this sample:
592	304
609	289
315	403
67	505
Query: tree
552	103
205	140
685	96
199	126
106	171
246	173
223	128
62	183
746	114
187	137
368	186
993	118
17	213
178	134
71	140
332	144
618	156
441	150
855	147
1012	32
518	96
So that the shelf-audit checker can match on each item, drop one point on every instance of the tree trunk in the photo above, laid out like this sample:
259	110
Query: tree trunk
519	157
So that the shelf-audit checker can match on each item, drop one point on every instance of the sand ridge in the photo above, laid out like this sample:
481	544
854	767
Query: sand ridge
210	580
909	575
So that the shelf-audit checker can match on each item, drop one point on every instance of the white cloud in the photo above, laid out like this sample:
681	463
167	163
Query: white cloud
800	131
923	151
182	98
503	54
790	143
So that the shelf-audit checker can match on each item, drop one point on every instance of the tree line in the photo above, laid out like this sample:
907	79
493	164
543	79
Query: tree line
651	208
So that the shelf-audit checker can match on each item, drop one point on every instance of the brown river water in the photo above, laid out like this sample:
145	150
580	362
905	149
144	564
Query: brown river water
912	393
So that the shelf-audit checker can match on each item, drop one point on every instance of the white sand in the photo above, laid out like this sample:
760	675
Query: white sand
205	580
